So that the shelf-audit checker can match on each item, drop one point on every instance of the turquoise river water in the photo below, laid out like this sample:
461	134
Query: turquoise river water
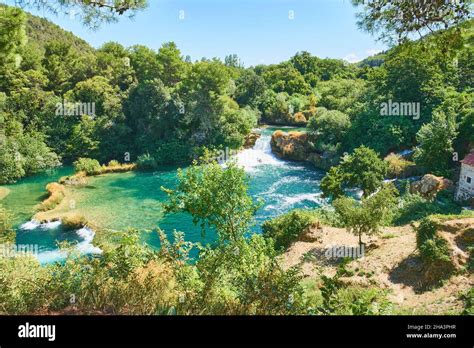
133	199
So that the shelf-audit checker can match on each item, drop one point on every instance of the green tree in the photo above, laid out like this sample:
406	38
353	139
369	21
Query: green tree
435	139
145	63
362	169
61	64
239	275
332	183
285	78
328	129
173	68
367	216
398	20
90	13
83	140
113	62
12	33
343	95
214	196
235	124
203	104
249	88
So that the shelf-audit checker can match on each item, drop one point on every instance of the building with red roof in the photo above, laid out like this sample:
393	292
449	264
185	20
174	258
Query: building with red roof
466	178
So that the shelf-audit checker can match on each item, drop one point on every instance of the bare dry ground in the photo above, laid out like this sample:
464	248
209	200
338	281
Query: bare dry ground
390	262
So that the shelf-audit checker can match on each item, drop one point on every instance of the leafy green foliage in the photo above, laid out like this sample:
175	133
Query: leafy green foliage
397	21
398	167
362	169
342	95
286	228
413	207
329	128
88	165
285	78
468	299
146	162
90	13
338	299
432	247
24	154
7	233
216	197
435	152
367	216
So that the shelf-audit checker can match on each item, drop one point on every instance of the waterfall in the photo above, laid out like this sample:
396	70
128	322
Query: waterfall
84	244
260	154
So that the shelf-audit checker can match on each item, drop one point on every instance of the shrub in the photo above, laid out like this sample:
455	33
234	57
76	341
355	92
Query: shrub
113	163
7	233
88	165
340	299
398	167
20	285
146	162
468	299
172	152
432	247
435	249
287	228
434	252
413	207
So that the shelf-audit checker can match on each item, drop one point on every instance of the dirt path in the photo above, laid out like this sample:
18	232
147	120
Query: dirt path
390	262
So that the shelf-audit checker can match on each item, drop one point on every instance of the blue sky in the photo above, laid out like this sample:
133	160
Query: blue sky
258	31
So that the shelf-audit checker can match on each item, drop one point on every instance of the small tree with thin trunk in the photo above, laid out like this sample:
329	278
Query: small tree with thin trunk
366	216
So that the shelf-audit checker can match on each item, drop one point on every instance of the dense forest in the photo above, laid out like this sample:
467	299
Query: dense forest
63	102
148	102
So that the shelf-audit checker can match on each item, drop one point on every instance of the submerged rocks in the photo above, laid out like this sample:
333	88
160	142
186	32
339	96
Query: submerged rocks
430	185
291	146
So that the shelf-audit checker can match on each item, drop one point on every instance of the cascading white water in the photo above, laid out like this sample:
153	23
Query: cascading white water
85	246
260	154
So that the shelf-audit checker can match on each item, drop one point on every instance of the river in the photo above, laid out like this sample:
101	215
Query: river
133	199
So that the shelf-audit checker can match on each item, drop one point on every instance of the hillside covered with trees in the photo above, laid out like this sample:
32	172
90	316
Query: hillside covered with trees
138	108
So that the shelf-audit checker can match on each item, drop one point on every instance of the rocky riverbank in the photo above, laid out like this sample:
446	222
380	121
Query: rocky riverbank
296	146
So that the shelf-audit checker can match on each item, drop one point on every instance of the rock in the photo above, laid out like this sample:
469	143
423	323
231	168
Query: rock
291	146
251	139
73	222
430	185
